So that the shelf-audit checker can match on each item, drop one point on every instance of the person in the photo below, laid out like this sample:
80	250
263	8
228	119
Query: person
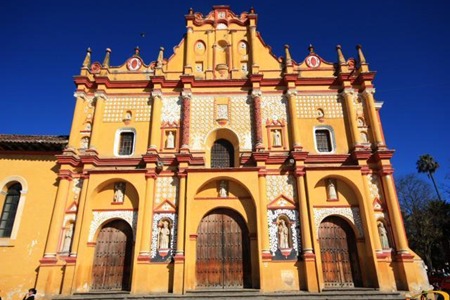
164	235
283	233
30	295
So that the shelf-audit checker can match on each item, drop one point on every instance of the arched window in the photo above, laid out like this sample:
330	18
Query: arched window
9	210
222	154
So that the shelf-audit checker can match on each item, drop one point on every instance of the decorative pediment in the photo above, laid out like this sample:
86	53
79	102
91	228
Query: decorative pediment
165	207
377	205
281	202
72	208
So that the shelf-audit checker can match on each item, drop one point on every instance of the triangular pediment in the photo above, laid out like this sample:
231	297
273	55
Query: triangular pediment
72	208
165	207
281	202
378	205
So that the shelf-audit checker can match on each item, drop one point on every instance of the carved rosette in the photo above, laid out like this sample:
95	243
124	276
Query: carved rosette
256	95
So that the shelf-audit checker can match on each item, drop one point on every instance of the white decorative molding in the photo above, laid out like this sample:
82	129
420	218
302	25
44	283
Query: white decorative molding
274	107
277	185
350	213
374	186
167	189
100	217
331	105
171	109
155	233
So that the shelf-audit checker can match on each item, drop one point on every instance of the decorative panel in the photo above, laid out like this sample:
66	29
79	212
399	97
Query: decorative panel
167	189
350	213
291	252
162	255
116	107
274	108
101	217
374	186
171	109
331	105
280	185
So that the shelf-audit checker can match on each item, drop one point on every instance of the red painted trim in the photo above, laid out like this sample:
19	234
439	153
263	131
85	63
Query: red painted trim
326	158
48	261
109	209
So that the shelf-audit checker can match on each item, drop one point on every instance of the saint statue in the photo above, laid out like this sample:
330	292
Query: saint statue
164	235
119	191
383	236
331	187
283	235
276	138
223	189
170	142
67	239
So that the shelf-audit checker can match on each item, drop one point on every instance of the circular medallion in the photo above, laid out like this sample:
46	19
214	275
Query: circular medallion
95	67
134	64
313	61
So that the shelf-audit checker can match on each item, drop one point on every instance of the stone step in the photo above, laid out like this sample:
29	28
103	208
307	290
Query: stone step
336	294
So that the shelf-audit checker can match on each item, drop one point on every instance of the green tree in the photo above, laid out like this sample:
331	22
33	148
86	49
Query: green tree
427	164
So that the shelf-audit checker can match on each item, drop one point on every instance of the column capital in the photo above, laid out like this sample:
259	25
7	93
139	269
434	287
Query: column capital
186	94
292	92
347	91
256	93
368	91
156	94
100	94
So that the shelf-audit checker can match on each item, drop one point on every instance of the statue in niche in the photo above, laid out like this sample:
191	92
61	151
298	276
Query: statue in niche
170	141
223	193
84	143
164	235
276	138
68	233
283	234
331	187
119	191
383	236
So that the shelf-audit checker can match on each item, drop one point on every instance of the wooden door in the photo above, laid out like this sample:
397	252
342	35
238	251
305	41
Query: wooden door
223	258
112	261
339	256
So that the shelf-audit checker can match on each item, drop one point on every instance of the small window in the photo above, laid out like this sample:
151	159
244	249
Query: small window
9	210
222	154
323	140
126	143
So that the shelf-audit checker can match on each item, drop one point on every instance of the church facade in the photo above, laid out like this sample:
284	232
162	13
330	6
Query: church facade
221	166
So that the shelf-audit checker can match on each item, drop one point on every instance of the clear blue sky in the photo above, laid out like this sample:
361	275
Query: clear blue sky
43	44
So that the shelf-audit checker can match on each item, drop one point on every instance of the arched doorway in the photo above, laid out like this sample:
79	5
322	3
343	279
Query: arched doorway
223	251
222	154
112	260
339	255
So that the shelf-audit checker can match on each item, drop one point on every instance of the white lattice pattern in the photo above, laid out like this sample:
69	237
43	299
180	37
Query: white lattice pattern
101	216
374	186
350	213
166	188
331	105
115	109
272	216
273	108
202	114
280	185
241	124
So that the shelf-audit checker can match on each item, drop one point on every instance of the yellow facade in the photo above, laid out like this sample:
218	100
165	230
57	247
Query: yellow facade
221	132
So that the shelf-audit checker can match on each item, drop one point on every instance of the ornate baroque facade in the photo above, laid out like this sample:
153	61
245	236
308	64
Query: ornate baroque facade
219	167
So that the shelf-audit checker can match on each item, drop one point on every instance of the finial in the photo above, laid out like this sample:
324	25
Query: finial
191	11
288	55
341	58
137	51
160	57
311	49
107	56
252	10
362	59
87	59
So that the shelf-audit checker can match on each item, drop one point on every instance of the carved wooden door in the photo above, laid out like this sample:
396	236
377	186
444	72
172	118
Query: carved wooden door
339	256
112	261
223	259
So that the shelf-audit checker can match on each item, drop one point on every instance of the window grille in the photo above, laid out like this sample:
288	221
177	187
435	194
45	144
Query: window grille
126	143
222	154
9	210
323	140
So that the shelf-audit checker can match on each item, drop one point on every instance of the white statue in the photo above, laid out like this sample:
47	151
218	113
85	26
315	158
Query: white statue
68	232
283	235
170	142
84	143
119	191
164	235
332	194
223	189
383	236
276	138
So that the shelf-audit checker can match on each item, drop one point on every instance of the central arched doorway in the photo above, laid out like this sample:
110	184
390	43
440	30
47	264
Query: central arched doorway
340	264
223	251
112	260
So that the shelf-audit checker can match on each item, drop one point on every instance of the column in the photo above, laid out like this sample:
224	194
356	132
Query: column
253	48
99	107
295	127
398	228
187	96
146	213
155	135
189	49
374	121
265	244
74	139
348	95
307	246
256	95
80	216
57	216
179	271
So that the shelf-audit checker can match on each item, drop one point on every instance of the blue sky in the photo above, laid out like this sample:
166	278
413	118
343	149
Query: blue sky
406	42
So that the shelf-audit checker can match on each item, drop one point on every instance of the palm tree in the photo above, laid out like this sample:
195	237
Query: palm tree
427	164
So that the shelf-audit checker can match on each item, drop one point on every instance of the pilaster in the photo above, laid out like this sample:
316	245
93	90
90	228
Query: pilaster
373	116
155	135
